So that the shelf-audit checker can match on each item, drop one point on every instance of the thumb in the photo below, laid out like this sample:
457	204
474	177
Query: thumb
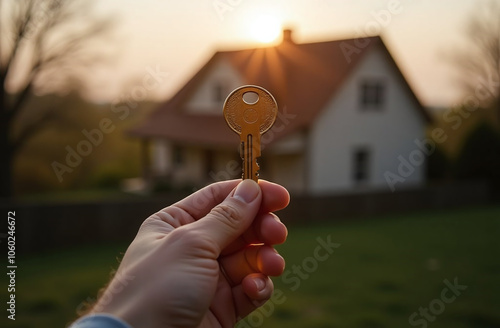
229	219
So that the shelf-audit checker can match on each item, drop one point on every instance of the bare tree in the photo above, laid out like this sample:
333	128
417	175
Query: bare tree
43	46
479	60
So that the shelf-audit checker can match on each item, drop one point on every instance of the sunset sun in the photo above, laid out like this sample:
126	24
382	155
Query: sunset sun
266	28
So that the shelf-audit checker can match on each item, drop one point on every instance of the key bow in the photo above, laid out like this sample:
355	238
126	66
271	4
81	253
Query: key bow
250	118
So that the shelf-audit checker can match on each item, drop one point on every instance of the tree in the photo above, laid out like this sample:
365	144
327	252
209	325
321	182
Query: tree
438	165
480	156
44	47
479	61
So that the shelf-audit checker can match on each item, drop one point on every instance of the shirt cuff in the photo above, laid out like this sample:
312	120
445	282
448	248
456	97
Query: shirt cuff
100	321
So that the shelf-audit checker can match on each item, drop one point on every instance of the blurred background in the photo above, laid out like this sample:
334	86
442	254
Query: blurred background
388	138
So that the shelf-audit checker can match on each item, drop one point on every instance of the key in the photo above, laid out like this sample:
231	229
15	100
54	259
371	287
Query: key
250	111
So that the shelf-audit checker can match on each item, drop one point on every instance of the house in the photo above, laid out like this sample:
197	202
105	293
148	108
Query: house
346	116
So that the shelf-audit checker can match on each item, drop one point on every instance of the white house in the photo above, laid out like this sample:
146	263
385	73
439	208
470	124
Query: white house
347	118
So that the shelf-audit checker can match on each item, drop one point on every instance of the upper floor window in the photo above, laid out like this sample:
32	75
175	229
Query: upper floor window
372	94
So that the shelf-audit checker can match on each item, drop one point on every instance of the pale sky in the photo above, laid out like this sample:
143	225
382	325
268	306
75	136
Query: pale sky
180	36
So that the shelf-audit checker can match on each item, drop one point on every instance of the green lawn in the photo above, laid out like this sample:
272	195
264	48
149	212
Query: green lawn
384	270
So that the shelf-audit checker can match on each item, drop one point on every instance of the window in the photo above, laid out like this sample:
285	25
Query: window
372	94
361	165
178	155
219	93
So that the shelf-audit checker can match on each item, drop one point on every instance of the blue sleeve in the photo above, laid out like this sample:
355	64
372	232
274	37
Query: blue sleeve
99	321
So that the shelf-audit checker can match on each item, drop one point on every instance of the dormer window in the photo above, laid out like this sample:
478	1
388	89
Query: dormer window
372	94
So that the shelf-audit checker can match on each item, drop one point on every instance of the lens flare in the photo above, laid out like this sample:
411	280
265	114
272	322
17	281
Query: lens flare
266	28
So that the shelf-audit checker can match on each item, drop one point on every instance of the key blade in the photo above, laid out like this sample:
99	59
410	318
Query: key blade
250	166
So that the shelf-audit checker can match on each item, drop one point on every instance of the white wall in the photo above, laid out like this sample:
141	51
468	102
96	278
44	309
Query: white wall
343	126
287	170
162	157
227	165
284	162
194	170
202	100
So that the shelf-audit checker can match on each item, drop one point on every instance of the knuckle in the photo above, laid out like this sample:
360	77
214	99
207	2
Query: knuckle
183	235
187	241
227	214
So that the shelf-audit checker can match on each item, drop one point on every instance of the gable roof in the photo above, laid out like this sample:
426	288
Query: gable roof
302	78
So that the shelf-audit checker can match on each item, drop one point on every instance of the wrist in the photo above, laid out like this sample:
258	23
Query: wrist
119	303
100	320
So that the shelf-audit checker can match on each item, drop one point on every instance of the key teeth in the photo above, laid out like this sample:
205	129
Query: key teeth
257	168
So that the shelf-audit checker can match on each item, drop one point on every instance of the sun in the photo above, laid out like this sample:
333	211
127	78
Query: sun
266	28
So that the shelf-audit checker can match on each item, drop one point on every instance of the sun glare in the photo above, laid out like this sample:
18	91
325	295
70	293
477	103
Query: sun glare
266	28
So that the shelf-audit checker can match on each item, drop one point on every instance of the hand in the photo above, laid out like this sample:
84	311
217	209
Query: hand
202	262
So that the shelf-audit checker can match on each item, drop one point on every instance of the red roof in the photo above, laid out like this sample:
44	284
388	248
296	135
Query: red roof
302	78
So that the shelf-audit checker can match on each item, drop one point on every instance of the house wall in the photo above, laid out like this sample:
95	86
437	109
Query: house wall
226	165
194	166
322	160
286	170
284	162
162	157
195	169
203	100
343	127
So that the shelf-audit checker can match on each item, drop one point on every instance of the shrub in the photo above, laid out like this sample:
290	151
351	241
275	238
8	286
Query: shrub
480	155
438	166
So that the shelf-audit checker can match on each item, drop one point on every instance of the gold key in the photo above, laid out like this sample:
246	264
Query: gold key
250	111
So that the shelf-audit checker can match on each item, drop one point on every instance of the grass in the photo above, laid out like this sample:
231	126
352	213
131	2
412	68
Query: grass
384	270
50	287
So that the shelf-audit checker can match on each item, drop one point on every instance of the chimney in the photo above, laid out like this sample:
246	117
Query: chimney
287	35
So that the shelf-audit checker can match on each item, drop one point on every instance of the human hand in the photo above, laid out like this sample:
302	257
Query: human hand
202	262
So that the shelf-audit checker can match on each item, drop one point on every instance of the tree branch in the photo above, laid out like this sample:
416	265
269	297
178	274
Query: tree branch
23	20
19	101
72	44
33	128
479	63
56	53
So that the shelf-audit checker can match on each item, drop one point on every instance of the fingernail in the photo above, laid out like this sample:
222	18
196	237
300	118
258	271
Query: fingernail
260	284
247	191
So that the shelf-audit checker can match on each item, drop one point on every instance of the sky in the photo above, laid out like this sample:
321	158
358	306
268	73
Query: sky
178	37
